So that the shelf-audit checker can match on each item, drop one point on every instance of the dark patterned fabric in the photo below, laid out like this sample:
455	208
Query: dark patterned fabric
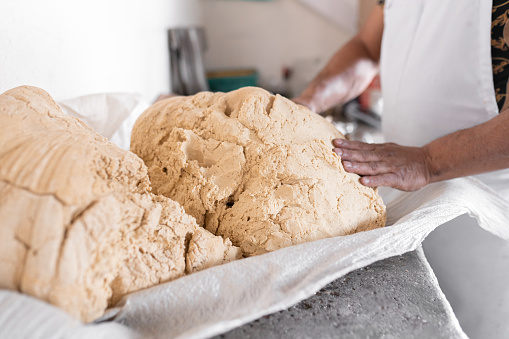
499	50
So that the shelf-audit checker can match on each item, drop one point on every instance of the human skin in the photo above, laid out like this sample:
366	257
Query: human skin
479	149
349	71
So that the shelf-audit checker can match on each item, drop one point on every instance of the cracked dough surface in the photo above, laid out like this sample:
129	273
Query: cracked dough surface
253	167
79	227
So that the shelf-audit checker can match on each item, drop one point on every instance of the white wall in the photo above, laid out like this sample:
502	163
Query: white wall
268	36
78	47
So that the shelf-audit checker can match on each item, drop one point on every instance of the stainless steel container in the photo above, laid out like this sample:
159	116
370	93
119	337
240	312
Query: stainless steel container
187	73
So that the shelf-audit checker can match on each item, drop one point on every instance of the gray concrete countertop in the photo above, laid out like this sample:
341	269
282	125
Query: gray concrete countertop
398	297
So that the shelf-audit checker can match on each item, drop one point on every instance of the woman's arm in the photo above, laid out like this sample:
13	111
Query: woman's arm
349	71
479	149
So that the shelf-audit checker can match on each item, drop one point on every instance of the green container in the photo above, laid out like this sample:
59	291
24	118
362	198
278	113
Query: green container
229	80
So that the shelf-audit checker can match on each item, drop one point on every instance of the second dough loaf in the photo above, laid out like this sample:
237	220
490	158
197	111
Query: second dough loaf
255	168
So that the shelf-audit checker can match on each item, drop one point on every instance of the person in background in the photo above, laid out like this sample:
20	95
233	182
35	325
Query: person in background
444	67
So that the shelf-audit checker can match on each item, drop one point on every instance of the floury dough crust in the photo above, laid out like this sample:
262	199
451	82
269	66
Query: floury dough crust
79	227
255	168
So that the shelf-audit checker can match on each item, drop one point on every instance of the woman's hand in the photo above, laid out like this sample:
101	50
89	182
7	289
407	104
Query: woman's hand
404	168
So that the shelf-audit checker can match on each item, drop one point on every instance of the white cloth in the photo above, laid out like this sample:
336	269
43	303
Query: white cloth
436	73
110	114
22	316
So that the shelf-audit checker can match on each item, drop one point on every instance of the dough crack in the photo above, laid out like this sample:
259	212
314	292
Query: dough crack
28	189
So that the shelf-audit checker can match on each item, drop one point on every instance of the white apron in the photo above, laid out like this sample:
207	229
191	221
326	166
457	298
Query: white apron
436	74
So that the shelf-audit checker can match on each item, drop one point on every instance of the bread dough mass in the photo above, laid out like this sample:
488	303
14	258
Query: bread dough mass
79	227
253	167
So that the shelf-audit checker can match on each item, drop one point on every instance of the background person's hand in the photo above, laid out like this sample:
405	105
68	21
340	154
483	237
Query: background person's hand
404	168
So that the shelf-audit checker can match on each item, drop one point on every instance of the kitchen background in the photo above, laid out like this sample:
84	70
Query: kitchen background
72	48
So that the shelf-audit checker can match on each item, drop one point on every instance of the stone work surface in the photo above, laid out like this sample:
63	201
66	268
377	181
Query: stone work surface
397	297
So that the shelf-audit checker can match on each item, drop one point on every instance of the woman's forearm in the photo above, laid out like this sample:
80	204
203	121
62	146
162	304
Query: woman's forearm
350	70
345	76
480	149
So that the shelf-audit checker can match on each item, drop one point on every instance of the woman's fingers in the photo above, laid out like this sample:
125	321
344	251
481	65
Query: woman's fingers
354	145
366	168
358	155
386	179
